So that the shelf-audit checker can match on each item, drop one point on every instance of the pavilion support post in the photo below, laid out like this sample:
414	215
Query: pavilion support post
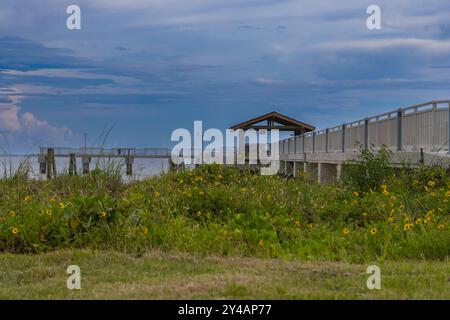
326	140
343	137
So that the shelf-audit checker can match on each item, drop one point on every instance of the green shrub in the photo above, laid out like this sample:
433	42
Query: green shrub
369	171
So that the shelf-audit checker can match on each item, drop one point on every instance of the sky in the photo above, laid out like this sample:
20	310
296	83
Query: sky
139	69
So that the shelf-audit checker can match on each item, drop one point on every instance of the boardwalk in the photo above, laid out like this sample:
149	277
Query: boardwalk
47	157
415	134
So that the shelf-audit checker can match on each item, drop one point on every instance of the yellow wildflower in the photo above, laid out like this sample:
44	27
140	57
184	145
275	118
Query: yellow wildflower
48	212
27	199
385	192
442	226
355	193
408	226
61	205
157	194
419	221
103	214
354	202
12	213
345	232
431	184
261	243
15	231
391	219
373	231
144	231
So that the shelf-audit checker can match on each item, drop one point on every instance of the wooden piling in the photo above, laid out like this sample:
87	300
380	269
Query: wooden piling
72	164
51	163
86	160
42	163
129	164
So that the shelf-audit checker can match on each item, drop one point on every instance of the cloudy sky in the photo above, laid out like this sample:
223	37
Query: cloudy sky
147	67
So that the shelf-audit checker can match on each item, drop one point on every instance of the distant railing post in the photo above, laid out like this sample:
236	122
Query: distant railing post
313	142
295	145
448	126
343	137
366	133
326	140
399	129
303	144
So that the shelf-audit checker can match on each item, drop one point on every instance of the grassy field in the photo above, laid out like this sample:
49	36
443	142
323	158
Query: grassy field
156	275
301	239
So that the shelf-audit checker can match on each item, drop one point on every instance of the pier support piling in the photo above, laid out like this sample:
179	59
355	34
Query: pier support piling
72	164
86	160
129	164
51	164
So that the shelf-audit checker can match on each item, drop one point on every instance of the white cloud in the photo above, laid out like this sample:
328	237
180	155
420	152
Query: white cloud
426	45
23	131
270	81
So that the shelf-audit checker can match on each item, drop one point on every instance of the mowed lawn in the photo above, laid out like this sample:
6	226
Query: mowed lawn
155	275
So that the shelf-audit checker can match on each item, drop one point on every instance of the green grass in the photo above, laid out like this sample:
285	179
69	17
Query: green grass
157	275
227	212
218	232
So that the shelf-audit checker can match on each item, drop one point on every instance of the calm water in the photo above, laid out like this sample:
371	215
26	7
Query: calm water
142	168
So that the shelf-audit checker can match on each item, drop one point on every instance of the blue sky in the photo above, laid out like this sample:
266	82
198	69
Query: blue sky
148	67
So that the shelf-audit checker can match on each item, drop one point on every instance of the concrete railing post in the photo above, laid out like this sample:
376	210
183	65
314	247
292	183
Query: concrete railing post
313	142
326	140
295	145
303	144
399	129
343	137
366	133
448	126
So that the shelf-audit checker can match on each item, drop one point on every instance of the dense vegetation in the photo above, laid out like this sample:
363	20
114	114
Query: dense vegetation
374	213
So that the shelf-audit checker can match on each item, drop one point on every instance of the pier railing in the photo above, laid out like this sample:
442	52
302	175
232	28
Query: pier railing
113	152
423	126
